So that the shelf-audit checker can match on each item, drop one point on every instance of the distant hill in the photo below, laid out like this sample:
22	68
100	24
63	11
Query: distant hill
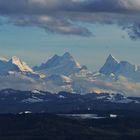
15	101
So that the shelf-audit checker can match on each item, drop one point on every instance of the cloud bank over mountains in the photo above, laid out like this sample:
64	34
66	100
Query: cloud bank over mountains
68	16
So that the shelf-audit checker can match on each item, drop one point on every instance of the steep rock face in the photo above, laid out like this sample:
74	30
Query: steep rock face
111	65
15	67
15	64
125	68
64	65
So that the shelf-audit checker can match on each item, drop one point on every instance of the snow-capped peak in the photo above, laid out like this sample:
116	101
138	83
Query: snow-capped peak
123	68
110	65
67	55
64	65
112	59
15	59
14	65
21	65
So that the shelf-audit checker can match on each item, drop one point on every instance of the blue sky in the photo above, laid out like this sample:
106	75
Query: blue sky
35	46
35	37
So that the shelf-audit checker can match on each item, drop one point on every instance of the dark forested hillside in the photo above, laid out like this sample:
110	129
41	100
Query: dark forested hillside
14	101
52	127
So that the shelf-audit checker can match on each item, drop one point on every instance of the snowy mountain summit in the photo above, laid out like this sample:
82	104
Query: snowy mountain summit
64	65
14	65
110	66
124	68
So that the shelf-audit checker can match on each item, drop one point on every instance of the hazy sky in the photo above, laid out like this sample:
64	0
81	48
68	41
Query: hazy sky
90	30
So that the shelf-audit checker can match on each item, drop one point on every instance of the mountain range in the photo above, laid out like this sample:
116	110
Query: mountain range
64	73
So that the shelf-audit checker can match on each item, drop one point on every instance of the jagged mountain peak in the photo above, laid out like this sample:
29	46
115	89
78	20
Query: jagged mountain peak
22	66
65	65
111	58
67	55
124	68
55	56
110	65
15	60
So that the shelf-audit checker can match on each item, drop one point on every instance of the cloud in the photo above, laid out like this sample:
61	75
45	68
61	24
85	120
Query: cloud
99	85
19	81
51	24
133	31
64	16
